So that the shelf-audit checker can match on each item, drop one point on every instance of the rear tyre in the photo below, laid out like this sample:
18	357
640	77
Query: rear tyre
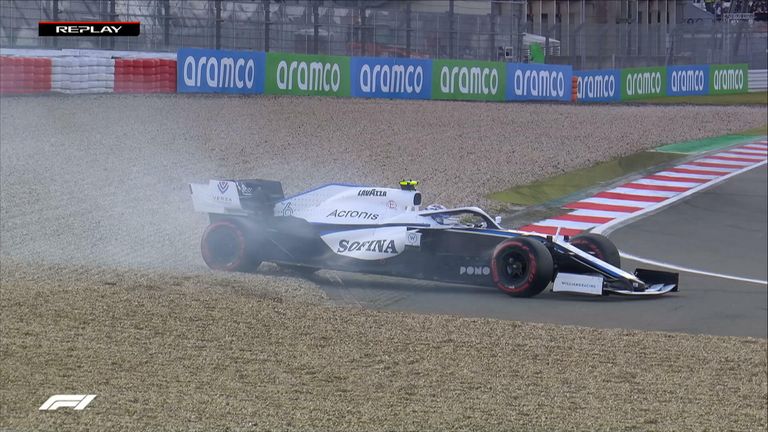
227	246
521	267
599	246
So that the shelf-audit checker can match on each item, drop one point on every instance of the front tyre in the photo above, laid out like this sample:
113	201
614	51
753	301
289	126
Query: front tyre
521	267
226	246
600	246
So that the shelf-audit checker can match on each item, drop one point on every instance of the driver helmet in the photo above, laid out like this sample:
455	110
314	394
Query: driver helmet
437	217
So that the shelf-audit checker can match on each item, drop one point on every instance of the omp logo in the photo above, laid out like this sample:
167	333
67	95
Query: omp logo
391	79
474	270
314	76
380	246
219	73
76	402
539	83
371	192
687	80
223	186
474	80
728	79
353	214
643	83
596	86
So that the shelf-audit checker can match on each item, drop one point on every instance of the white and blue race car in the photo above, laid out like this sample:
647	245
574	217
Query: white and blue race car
384	231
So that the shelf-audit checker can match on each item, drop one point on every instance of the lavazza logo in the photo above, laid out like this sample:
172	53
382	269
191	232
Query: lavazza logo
353	214
643	83
474	80
219	73
314	76
596	86
391	79
687	80
372	192
539	83
728	79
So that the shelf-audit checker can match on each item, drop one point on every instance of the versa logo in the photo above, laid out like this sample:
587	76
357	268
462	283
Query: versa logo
76	402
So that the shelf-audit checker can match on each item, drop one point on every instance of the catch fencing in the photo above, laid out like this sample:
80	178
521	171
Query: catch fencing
482	30
625	45
363	28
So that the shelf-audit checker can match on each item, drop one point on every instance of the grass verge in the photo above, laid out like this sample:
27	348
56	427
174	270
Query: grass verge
571	182
553	188
760	130
759	98
163	354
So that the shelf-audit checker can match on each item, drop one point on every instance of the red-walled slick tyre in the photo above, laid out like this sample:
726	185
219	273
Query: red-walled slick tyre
521	267
227	246
599	246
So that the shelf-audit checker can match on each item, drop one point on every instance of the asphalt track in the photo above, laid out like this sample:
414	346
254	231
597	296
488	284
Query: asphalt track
719	230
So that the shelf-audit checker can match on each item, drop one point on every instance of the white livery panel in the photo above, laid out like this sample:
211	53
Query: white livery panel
348	205
368	244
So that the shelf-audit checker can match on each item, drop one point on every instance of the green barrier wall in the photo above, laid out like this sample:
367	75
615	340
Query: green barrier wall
728	79
300	74
640	83
468	80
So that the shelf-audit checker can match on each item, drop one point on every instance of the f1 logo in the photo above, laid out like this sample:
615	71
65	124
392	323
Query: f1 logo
76	402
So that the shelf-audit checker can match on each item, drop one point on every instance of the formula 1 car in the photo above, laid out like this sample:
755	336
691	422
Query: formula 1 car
384	231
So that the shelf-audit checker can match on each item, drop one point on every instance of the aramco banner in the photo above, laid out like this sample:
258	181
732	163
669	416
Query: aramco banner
687	80
216	71
725	79
468	80
538	82
395	78
641	83
598	85
302	74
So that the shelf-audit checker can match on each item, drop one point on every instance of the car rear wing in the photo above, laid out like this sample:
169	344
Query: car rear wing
236	197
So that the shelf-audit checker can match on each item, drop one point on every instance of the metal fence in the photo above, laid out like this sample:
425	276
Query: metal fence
324	27
482	30
595	46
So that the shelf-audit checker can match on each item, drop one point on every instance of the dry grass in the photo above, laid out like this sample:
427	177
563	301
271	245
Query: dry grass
166	352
